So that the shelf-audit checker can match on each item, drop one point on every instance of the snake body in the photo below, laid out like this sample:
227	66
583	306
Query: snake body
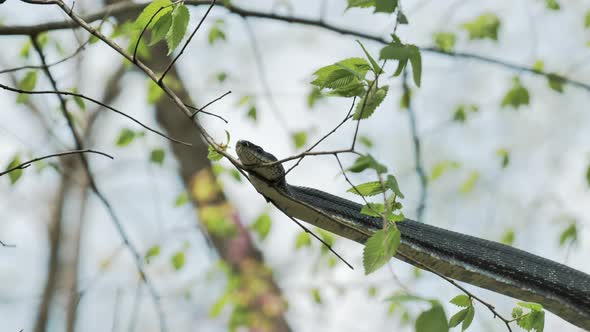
487	264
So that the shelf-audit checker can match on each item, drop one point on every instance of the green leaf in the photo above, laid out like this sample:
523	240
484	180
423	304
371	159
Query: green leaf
505	155
445	41
517	96
157	156
517	312
556	82
531	305
314	95
588	175
373	209
181	199
17	173
216	33
470	182
368	189
299	139
303	239
213	154
180	18
328	239
369	102
432	320
538	66
235	174
416	61
360	3
316	296
376	68
252	113
396	52
149	11
262	225
126	136
161	28
218	306
587	20
534	320
552	4
244	100
366	141
468	318
570	234
392	184
457	318
484	26
385	6
461	301
26	49
221	76
154	92
406	99
441	167
508	237
367	162
341	75
178	260
380	247
151	253
27	83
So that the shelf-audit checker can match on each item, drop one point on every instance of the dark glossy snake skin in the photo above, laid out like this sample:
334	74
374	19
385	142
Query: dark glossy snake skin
491	265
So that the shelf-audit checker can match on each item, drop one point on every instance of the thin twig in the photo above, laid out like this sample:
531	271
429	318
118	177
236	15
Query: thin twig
75	94
417	150
201	110
7	245
312	234
30	162
186	43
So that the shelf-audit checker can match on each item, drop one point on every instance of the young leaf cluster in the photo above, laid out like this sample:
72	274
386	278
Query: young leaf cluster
465	315
164	20
533	320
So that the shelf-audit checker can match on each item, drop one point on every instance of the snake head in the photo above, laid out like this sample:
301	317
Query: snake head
252	155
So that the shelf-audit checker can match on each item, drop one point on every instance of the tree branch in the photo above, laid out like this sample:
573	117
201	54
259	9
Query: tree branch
28	163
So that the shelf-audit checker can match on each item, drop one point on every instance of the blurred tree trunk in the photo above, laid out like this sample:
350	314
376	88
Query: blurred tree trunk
265	306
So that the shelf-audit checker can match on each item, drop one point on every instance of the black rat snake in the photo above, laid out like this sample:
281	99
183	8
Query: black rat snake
491	265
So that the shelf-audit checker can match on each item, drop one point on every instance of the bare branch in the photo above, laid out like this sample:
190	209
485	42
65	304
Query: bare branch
30	162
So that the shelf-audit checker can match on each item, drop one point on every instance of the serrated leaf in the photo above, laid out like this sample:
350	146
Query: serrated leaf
180	18
15	175
368	189
570	234
461	301
380	247
181	199
157	156
299	139
161	28
432	320
445	41
325	76
484	26
149	11
531	305
151	253
28	83
178	260
262	225
517	96
517	312
373	209
126	136
396	51
213	155
303	239
470	182
369	102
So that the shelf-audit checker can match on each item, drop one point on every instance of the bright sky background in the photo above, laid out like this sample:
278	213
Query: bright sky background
543	186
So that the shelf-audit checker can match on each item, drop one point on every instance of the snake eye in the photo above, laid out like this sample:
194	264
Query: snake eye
258	149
